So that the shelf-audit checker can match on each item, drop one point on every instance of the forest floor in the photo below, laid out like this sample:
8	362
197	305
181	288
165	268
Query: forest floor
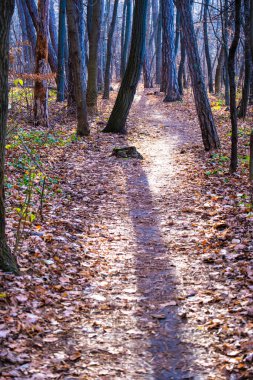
140	269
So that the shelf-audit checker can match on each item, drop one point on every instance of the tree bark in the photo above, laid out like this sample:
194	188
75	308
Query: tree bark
118	117
219	71
52	59
231	72
181	64
209	134
61	51
7	260
40	107
109	50
177	34
206	44
225	44
29	27
52	26
171	91
127	35
159	48
247	62
91	95
77	67
25	38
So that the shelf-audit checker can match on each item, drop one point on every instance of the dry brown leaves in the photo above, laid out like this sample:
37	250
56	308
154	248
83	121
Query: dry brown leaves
139	270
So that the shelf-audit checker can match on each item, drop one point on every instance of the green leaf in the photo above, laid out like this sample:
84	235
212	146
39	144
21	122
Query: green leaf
18	82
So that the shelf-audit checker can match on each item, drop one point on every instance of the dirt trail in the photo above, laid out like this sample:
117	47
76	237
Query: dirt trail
136	327
127	306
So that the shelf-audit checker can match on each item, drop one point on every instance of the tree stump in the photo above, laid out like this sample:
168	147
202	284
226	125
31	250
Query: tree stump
127	152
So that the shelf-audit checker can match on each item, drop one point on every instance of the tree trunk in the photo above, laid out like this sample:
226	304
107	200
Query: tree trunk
247	62
159	48
225	44
40	107
25	38
206	44
231	72
147	75
177	36
209	134
52	59
219	70
181	64
81	28
109	50
29	27
122	40
7	260
117	120
77	67
147	64
52	26
91	95
127	35
251	49
171	92
61	51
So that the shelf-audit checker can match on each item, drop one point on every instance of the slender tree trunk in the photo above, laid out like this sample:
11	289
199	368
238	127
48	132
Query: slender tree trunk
25	38
251	50
247	62
181	64
52	26
61	51
127	34
117	120
40	107
77	67
104	20
219	70
209	134
7	260
147	64
225	43
206	44
177	35
172	92
29	27
93	57
231	72
109	50
159	48
81	28
122	40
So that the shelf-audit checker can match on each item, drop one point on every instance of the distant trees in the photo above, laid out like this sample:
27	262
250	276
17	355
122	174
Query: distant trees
7	260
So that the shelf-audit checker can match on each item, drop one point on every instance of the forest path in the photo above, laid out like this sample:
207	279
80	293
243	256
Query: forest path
124	294
147	283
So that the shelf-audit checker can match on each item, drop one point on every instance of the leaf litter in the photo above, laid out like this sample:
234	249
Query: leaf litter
139	270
